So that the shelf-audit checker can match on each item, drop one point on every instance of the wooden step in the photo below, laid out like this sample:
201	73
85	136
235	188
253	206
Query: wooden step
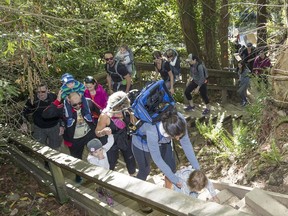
242	206
226	197
264	204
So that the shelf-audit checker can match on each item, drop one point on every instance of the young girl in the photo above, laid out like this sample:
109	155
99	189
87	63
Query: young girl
98	156
244	81
193	182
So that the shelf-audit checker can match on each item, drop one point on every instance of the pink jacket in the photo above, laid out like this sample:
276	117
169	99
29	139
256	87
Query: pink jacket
100	98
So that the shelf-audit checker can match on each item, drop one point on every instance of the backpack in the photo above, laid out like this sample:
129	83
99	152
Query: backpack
131	65
175	67
151	103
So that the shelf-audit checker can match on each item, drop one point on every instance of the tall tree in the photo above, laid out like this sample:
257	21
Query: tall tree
187	14
261	23
209	20
223	33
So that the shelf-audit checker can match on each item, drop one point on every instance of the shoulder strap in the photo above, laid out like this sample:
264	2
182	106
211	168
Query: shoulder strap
116	70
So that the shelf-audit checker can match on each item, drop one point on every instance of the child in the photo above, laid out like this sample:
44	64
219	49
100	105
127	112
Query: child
69	85
123	56
98	156
193	182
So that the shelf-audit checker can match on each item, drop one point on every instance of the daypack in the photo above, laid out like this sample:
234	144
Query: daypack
131	65
151	103
175	65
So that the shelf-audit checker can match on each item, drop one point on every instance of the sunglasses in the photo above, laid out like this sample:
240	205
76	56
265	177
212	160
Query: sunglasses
76	104
111	58
41	92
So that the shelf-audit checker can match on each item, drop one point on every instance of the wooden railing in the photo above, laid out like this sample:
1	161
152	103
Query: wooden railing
30	155
222	80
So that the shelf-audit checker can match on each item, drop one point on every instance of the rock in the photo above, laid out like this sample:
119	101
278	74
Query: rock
281	113
275	179
14	212
285	180
285	147
13	197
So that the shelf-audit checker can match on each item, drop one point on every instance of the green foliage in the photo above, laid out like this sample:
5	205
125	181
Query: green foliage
7	90
272	156
228	145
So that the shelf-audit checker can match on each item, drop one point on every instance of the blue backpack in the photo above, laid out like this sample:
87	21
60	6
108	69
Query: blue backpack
152	102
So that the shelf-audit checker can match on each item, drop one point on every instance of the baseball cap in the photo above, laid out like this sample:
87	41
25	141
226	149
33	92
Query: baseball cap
94	144
189	57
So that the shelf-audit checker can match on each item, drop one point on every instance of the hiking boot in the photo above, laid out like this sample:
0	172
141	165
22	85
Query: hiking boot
88	117
206	111
70	122
144	208
189	108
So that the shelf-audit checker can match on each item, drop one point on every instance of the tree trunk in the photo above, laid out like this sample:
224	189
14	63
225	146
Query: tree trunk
223	33
187	14
261	23
209	20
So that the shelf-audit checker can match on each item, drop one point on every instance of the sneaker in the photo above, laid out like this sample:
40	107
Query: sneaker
88	117
206	111
78	179
244	103
100	192
70	122
144	208
189	108
109	200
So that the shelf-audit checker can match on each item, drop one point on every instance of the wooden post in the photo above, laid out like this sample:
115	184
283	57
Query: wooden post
59	183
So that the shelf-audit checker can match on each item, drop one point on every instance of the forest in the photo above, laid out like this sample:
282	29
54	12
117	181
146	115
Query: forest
41	40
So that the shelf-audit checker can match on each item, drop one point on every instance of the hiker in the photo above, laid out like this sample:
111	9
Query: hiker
95	92
69	85
248	55
174	60
117	117
261	66
125	56
46	131
98	156
155	142
197	83
193	182
81	132
163	68
244	82
118	77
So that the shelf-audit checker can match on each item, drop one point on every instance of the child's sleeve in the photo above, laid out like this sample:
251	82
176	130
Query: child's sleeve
210	188
110	142
79	87
65	91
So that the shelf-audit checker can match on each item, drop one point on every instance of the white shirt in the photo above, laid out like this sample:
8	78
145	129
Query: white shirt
103	162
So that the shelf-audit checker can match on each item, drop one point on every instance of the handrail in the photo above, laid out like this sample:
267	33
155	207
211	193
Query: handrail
162	199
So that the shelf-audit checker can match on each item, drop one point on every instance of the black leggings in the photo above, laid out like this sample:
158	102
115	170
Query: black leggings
203	91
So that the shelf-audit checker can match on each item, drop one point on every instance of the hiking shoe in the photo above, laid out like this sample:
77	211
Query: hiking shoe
109	200
70	122
88	117
100	192
78	179
244	103
189	108
206	111
144	208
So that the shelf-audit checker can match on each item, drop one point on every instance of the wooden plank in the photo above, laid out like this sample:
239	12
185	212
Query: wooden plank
162	199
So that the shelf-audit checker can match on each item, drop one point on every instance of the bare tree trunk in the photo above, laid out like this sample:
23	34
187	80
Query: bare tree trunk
209	20
223	33
188	20
261	23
